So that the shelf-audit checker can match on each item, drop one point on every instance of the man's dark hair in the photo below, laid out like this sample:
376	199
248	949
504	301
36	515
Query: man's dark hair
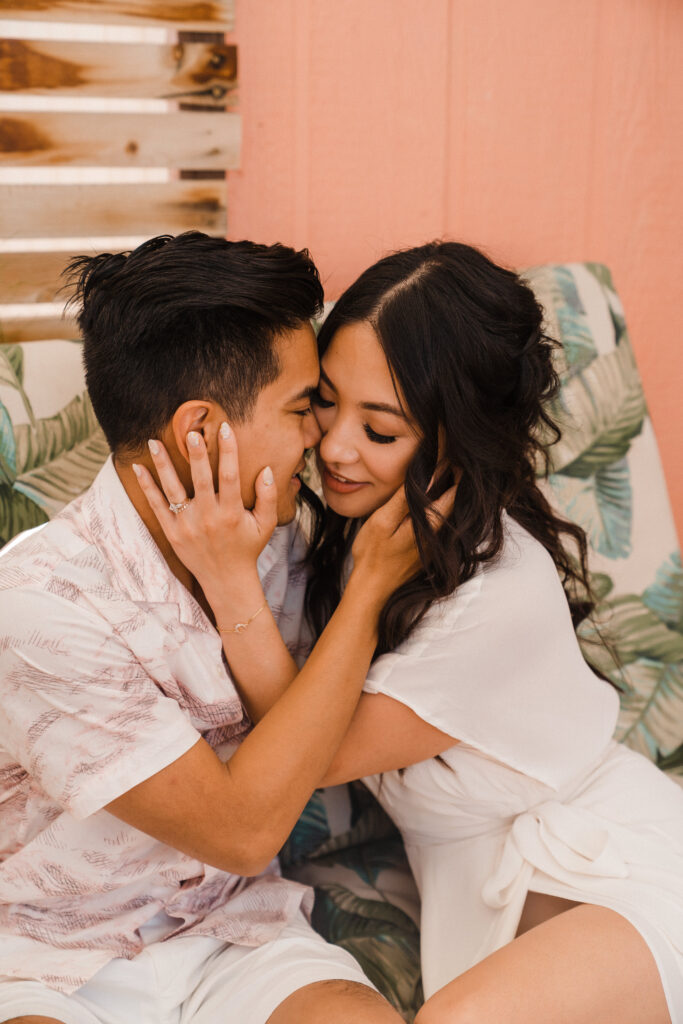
185	317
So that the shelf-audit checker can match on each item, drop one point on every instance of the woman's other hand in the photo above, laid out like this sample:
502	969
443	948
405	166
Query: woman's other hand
385	551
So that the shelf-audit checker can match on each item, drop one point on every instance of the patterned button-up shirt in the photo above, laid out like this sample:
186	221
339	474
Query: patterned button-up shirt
110	671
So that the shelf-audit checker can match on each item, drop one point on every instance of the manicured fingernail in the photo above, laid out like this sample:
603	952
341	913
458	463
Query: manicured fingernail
225	431
153	447
137	469
268	476
193	439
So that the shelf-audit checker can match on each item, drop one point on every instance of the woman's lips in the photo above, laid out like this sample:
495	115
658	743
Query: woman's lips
340	485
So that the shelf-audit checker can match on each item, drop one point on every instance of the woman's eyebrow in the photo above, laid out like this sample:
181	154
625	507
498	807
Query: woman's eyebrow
370	406
305	394
383	407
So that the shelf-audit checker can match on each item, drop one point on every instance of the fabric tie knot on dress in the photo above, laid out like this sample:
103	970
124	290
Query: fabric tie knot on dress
560	840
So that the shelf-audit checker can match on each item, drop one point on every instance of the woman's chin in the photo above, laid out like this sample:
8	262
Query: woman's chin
352	506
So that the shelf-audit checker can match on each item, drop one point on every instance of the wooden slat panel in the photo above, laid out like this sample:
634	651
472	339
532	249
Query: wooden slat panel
196	15
187	72
208	141
31	276
12	331
31	211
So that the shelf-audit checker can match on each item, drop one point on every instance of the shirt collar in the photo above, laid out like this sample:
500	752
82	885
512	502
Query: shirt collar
137	562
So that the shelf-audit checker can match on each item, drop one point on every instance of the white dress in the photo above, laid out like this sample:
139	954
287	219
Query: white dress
536	795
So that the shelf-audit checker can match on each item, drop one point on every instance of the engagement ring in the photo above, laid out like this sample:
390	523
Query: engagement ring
179	506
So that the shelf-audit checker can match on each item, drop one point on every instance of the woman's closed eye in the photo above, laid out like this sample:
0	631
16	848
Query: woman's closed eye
317	399
378	438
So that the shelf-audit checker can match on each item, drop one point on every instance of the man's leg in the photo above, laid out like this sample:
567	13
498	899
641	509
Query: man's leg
335	1002
297	978
34	1020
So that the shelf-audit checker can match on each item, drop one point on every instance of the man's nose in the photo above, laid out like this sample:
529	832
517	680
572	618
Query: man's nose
312	433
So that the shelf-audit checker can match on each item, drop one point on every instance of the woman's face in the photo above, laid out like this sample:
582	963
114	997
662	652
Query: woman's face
367	440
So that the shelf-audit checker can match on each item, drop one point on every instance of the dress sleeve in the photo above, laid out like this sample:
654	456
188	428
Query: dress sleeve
77	710
497	666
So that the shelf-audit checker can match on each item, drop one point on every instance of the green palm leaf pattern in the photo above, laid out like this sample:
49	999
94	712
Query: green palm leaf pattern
17	513
556	289
309	834
12	374
672	763
380	936
665	596
600	410
59	458
8	451
601	504
650	708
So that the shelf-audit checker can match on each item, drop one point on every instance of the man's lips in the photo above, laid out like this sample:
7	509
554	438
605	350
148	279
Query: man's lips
340	484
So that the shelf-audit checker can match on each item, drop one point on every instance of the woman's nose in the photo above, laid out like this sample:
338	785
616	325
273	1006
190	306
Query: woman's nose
336	447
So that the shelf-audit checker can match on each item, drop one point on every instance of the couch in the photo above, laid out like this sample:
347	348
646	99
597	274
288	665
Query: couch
606	475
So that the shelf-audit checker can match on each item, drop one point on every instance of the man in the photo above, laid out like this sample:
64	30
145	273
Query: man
134	878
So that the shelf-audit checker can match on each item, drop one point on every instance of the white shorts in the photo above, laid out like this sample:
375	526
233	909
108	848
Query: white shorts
191	979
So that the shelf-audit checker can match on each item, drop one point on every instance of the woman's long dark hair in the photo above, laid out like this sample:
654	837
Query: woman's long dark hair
466	346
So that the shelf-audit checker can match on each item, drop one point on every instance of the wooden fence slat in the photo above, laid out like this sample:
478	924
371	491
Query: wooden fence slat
209	141
188	72
13	331
31	276
195	15
31	211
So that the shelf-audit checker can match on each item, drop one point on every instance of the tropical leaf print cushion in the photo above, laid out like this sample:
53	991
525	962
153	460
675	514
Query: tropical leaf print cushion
51	446
607	476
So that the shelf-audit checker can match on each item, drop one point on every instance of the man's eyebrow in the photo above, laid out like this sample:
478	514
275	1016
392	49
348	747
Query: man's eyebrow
370	406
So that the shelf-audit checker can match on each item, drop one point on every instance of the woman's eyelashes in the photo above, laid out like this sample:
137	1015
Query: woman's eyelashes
317	399
325	403
378	438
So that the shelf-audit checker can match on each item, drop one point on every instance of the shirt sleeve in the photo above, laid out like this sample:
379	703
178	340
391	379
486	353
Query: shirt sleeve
497	666
77	710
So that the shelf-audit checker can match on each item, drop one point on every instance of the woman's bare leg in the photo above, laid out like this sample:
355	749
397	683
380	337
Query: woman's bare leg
586	965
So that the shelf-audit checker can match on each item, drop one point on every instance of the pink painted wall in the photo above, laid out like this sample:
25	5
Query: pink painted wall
540	130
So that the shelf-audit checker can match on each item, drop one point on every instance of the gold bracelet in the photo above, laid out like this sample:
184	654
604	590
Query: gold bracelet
240	627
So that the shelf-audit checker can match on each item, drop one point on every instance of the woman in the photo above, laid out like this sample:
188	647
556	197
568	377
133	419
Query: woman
548	858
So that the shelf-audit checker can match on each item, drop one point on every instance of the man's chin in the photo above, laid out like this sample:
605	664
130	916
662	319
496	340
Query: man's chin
286	515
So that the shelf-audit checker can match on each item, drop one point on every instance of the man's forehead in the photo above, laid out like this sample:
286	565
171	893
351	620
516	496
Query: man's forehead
299	367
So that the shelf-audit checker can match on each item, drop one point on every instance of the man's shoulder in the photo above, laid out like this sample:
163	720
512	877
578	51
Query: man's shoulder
54	565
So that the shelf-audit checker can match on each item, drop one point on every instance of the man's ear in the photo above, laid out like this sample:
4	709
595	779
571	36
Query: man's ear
193	415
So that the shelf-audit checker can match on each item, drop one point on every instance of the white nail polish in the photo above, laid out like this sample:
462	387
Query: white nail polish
153	447
268	476
136	469
193	438
225	431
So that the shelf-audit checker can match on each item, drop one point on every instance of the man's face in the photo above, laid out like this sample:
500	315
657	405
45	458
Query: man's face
282	425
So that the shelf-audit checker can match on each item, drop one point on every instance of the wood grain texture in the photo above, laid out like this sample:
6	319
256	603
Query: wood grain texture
32	211
209	141
189	72
13	331
197	15
31	277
